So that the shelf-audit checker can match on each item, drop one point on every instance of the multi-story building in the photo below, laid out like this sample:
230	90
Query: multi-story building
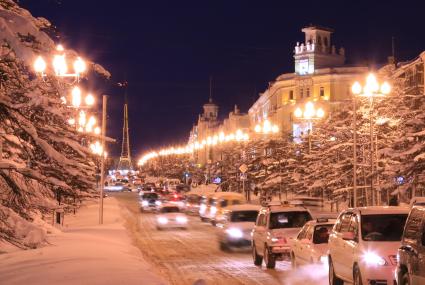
321	76
411	76
207	125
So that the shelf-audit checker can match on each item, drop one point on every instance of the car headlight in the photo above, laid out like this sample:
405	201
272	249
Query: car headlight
372	259
158	203
213	210
234	233
145	203
181	220
324	259
162	220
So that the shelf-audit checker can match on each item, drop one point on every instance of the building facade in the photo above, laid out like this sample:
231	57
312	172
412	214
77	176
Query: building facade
320	76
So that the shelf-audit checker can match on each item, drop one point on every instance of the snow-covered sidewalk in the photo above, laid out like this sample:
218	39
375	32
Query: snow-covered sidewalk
84	253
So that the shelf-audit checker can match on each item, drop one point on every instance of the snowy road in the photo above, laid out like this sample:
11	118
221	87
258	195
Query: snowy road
184	257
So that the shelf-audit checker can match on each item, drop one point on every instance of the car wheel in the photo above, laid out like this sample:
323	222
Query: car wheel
269	258
257	258
405	279
223	246
357	277
333	280
213	223
293	261
159	228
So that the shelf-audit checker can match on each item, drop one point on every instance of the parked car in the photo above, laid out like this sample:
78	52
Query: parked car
311	244
275	226
149	201
170	216
234	229
411	264
363	245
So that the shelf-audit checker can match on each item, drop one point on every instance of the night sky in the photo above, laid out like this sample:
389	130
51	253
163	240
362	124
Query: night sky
167	50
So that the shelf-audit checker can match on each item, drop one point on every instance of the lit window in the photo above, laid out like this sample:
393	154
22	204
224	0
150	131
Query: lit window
322	91
291	94
308	92
301	93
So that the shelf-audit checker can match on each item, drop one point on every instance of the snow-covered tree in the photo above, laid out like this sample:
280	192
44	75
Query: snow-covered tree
43	159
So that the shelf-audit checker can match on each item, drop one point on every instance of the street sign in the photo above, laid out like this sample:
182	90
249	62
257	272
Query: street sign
243	176
243	168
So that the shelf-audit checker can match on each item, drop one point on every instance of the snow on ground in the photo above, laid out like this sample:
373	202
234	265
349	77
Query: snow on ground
83	253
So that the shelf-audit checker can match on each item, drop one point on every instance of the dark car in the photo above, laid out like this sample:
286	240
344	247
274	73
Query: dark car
411	265
149	201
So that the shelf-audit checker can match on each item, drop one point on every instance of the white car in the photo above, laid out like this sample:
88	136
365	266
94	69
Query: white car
276	225
170	216
363	245
311	244
235	226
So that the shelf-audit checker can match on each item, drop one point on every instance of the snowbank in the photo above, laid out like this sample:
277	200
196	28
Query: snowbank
84	253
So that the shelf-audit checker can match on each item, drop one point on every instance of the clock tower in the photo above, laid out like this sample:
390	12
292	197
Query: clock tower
317	51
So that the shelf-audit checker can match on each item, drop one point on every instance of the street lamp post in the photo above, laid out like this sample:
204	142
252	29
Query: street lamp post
371	90
309	114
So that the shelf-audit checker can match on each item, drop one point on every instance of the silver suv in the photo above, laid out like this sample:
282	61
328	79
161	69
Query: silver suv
275	226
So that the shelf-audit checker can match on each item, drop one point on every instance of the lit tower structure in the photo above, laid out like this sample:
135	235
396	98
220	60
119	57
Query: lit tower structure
125	158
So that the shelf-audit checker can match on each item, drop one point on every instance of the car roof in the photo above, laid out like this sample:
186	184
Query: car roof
383	210
280	208
317	223
244	207
227	194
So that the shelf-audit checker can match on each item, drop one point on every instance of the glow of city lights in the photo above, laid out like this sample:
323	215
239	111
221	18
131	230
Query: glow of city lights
39	65
310	112
298	112
211	141
71	121
89	99
320	113
76	97
97	149
60	48
371	87
82	118
97	131
385	88
257	128
79	66
59	65
356	88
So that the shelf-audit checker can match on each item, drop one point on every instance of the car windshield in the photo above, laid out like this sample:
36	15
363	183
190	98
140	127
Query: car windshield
387	227
243	216
150	196
294	219
170	210
321	234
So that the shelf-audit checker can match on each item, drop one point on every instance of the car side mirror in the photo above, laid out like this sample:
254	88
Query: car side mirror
348	236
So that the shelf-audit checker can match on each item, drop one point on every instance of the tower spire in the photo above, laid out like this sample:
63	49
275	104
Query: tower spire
210	98
125	158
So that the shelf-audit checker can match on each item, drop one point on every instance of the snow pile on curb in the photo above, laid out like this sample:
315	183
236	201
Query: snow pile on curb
84	253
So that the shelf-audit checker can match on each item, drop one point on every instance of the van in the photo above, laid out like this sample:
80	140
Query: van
219	202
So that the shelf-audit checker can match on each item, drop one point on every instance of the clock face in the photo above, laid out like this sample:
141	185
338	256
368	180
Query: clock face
303	66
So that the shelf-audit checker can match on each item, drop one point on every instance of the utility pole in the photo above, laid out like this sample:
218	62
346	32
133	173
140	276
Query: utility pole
371	152
354	152
102	159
